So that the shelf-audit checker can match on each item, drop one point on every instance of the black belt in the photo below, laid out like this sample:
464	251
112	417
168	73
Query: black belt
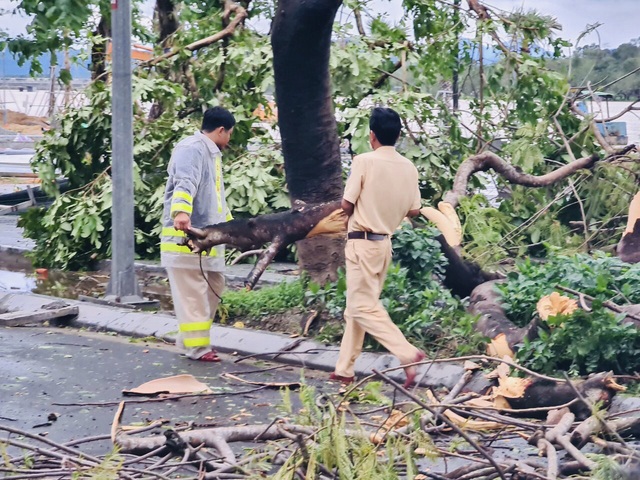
366	236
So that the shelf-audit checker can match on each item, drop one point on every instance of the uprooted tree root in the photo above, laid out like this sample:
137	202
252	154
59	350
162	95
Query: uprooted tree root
336	438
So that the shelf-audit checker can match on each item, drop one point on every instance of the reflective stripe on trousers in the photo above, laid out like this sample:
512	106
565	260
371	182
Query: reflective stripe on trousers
195	306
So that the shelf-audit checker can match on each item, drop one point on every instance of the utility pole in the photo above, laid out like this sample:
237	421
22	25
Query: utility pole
123	286
456	68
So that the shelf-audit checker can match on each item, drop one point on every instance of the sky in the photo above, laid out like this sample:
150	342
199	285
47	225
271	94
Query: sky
620	18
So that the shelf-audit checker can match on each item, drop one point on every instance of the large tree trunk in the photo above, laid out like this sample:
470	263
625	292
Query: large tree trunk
167	21
99	49
301	41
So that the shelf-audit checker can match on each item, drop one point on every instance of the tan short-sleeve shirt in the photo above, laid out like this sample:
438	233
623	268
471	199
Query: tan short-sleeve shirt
383	186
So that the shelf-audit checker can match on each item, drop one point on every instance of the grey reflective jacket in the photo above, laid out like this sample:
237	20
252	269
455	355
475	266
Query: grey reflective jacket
194	186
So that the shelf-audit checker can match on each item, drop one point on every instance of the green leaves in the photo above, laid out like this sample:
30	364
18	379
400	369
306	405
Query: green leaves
583	342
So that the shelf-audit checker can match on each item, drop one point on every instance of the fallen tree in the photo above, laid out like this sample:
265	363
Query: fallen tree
325	440
306	221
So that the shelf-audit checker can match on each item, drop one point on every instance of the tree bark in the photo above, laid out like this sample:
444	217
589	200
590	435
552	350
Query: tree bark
165	12
301	42
99	49
489	160
486	301
278	229
166	25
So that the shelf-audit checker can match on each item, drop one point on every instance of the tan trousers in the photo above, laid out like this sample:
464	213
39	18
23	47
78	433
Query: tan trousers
195	306
367	264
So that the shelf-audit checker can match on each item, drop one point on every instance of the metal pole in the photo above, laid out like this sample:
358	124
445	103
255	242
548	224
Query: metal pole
123	285
456	68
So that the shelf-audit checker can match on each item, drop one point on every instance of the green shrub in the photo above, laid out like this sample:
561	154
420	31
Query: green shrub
265	301
586	341
583	343
601	276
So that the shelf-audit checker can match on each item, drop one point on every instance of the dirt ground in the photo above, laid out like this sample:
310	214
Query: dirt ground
21	123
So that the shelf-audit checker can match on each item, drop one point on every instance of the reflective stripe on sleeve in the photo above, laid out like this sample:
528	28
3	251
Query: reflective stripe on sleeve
184	196
181	207
172	232
219	183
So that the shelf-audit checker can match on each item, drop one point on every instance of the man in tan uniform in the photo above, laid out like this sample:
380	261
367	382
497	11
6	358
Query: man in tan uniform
381	190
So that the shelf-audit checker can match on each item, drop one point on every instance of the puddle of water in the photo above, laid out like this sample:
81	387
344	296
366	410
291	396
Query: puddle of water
73	284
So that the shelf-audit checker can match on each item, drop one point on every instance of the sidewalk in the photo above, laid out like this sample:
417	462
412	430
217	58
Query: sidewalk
299	351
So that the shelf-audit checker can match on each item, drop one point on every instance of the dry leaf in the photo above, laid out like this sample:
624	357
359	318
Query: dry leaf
176	384
238	325
499	347
397	419
555	304
466	423
469	365
501	371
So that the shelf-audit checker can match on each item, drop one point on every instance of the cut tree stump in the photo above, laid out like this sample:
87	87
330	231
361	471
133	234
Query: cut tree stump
17	319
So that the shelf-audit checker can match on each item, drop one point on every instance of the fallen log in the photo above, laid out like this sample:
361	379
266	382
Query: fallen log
486	301
277	229
305	221
541	392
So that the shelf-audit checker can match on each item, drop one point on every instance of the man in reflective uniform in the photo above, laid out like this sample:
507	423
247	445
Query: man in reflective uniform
381	191
194	196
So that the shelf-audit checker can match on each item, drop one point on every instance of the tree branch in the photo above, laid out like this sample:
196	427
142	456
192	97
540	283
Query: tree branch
489	160
230	7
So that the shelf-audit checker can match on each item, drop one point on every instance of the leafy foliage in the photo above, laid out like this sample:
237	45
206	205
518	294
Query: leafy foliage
517	105
600	276
352	456
585	341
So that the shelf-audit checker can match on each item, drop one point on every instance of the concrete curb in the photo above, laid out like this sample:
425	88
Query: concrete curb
306	353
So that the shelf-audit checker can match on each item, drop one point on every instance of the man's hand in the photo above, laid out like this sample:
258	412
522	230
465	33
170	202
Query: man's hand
182	221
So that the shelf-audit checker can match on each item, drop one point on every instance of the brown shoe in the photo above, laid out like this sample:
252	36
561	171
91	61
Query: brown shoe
340	378
412	371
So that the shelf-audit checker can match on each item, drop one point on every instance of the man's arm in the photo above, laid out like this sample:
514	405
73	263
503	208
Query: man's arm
186	169
347	206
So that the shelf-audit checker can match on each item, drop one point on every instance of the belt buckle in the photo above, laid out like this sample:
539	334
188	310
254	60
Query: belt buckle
366	235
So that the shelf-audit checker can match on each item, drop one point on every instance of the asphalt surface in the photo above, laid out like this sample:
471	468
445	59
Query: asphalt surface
43	368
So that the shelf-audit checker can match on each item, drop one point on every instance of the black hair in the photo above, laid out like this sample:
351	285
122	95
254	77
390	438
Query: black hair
385	123
216	117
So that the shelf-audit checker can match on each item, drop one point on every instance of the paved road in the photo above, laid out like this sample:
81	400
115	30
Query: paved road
41	367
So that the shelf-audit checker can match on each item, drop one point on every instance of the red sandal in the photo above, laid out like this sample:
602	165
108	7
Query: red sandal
339	378
211	356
